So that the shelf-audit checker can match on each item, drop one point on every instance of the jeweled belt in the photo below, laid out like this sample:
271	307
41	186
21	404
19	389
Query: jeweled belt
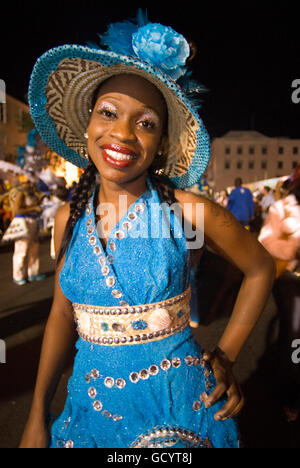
113	326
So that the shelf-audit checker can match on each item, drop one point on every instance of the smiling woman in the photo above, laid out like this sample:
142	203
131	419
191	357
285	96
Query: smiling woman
140	379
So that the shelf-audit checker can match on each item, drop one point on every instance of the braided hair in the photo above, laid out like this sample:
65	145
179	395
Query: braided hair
80	198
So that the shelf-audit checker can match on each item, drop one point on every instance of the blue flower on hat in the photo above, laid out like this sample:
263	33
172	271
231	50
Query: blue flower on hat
162	47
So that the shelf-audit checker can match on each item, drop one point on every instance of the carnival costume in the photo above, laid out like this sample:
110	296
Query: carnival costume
138	372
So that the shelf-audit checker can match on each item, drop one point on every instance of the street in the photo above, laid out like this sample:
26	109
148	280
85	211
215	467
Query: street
23	314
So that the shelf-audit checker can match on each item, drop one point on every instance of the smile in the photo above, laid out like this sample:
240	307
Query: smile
118	157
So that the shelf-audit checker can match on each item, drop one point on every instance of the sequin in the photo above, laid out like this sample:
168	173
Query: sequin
197	405
102	261
69	444
176	362
112	246
127	226
134	377
97	250
109	382
97	405
110	281
90	230
95	374
144	374
189	360
88	378
153	370
117	417
106	414
110	259
132	216
139	208
119	235
92	240
117	294
120	383
105	270
165	364
92	392
88	211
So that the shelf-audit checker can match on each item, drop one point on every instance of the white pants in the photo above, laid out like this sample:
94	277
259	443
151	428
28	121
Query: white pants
27	249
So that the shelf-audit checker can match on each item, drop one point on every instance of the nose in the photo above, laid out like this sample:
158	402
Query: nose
123	131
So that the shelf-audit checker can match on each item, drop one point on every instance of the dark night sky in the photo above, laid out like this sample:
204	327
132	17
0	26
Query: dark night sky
248	53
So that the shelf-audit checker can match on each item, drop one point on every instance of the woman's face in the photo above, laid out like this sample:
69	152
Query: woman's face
126	129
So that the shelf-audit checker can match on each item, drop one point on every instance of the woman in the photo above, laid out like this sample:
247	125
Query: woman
26	263
140	379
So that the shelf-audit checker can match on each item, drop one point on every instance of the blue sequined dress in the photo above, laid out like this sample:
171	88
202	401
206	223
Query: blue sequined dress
131	387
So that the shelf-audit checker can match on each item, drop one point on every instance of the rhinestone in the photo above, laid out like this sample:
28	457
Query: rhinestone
139	208
126	226
196	361
104	326
117	294
89	222
97	250
105	270
89	211
69	444
92	392
117	417
176	362
110	281
137	338
106	414
95	374
92	240
139	325
153	370
119	235
144	374
165	364
109	382
110	259
134	377
112	246
120	383
90	230
197	405
117	340
132	216
122	303
97	405
102	261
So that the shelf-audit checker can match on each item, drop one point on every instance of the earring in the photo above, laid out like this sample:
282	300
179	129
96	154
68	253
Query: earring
86	135
160	153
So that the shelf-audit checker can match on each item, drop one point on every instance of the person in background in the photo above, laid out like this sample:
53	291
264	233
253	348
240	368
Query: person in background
222	198
281	237
267	201
25	204
240	203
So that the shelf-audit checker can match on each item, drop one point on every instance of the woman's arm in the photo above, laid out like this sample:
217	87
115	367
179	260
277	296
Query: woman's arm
228	238
17	206
58	346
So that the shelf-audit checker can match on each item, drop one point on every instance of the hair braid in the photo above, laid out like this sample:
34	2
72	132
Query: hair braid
80	198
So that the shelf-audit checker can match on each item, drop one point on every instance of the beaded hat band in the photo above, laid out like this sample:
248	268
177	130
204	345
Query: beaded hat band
65	78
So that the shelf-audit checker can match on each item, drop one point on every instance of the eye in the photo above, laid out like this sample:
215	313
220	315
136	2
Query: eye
107	113
147	124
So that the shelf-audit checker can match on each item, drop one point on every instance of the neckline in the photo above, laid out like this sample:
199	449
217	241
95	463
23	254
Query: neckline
111	238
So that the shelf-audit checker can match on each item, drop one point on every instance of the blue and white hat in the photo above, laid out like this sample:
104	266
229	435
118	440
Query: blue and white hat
65	78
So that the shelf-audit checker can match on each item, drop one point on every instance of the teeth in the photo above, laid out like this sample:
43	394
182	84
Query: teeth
119	156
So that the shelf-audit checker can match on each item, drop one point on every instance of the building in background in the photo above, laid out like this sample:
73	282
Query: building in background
251	156
15	122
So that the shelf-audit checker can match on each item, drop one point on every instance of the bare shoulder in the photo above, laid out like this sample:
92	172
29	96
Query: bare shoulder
213	212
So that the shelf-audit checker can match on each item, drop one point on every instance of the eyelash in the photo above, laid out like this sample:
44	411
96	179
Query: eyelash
108	113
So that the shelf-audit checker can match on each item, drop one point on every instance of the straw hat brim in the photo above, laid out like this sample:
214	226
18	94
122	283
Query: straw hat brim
61	88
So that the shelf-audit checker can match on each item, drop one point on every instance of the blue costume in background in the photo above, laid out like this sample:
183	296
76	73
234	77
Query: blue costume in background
241	205
133	386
